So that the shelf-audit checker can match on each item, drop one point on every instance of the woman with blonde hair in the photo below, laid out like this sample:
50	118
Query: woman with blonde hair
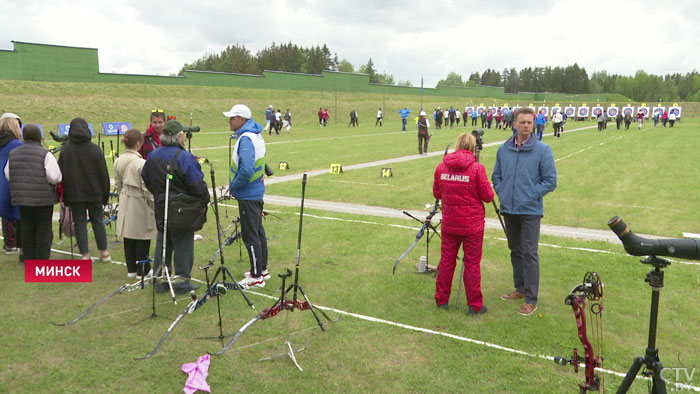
10	138
463	186
136	220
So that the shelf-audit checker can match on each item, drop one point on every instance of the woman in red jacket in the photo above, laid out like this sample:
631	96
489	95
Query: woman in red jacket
462	185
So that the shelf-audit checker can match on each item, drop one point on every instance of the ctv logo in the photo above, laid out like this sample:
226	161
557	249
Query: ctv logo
57	271
680	377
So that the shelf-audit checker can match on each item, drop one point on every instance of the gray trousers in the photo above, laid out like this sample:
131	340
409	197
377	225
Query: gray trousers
523	240
180	243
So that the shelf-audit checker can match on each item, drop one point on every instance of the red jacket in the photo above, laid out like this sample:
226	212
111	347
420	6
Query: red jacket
462	185
149	145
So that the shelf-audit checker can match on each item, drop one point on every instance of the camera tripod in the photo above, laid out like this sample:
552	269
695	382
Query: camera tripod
651	361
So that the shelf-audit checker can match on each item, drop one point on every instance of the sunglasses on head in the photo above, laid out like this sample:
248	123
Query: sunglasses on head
157	111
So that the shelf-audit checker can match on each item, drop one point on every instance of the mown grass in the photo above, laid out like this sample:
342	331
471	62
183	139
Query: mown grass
645	176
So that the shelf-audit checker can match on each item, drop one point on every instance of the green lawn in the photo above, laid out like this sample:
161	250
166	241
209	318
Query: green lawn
648	177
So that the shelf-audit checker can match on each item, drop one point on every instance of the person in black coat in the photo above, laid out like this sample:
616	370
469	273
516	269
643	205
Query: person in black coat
85	186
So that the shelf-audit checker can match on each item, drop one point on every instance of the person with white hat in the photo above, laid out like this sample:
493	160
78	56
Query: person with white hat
423	126
247	186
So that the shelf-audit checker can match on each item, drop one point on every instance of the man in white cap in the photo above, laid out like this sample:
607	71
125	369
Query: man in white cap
247	186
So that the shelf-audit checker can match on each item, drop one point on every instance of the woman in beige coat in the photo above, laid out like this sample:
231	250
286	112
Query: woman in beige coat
136	221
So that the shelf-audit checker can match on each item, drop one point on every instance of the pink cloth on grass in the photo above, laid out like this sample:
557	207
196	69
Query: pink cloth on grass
198	372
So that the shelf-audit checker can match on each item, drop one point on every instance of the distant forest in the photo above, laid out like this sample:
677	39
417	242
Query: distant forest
571	79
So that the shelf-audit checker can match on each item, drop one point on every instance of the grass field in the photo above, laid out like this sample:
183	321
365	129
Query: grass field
647	176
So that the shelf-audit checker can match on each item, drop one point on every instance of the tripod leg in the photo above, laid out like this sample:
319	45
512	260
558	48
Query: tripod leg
658	381
631	374
314	310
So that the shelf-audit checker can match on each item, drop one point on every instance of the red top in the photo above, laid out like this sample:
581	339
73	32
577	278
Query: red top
462	185
148	146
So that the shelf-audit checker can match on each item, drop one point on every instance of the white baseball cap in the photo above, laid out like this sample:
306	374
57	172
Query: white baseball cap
9	115
422	113
239	110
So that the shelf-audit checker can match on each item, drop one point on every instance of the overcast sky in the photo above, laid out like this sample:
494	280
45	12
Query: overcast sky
403	38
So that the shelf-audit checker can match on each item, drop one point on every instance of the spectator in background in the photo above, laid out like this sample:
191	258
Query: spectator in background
85	186
10	138
153	133
379	118
423	137
33	174
269	116
325	117
136	221
404	112
320	117
353	118
287	120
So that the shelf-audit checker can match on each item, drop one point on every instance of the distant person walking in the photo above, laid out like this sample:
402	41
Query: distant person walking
353	118
404	112
524	173
287	120
320	117
269	116
672	118
325	117
423	136
618	120
379	118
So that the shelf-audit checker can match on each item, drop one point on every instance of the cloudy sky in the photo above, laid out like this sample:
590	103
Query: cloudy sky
404	38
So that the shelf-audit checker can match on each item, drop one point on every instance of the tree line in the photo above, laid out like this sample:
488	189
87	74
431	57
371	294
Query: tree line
287	57
574	79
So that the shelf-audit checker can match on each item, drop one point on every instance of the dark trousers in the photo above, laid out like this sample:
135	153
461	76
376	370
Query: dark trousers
253	234
134	250
179	243
422	143
523	241
11	233
403	122
36	232
378	122
473	121
80	219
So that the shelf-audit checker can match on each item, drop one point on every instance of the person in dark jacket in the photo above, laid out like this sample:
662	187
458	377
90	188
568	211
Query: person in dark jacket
155	130
85	186
10	138
524	173
187	179
33	173
463	186
248	187
423	136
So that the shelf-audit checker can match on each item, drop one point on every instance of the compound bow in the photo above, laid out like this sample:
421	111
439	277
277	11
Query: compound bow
591	289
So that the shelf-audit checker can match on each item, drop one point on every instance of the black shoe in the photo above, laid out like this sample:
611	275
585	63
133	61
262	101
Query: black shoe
442	306
472	312
185	288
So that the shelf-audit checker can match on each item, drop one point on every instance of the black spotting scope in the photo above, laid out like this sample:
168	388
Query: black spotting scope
59	137
684	248
190	129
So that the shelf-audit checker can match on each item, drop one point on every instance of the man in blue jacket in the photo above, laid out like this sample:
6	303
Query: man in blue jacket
187	178
247	186
540	123
524	173
404	112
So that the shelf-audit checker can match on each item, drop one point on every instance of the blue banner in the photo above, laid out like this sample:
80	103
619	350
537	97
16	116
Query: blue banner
63	128
115	128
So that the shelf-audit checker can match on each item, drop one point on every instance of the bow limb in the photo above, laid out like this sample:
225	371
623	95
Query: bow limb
268	312
418	237
93	306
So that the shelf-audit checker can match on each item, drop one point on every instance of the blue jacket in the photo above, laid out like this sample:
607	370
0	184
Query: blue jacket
540	119
269	114
240	184
7	210
404	113
523	177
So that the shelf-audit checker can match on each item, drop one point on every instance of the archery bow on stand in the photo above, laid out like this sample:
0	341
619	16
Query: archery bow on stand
427	225
284	303
591	289
214	287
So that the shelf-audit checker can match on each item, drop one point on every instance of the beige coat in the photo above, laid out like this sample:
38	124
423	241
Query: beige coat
135	218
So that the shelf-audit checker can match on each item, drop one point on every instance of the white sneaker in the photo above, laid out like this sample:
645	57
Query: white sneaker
131	275
265	274
249	282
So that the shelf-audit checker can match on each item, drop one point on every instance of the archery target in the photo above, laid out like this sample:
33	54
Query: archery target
658	111
596	111
493	110
644	110
613	111
583	112
480	110
543	110
675	110
628	110
469	110
555	109
570	111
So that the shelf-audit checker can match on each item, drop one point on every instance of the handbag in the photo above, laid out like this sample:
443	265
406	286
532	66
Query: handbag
186	212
